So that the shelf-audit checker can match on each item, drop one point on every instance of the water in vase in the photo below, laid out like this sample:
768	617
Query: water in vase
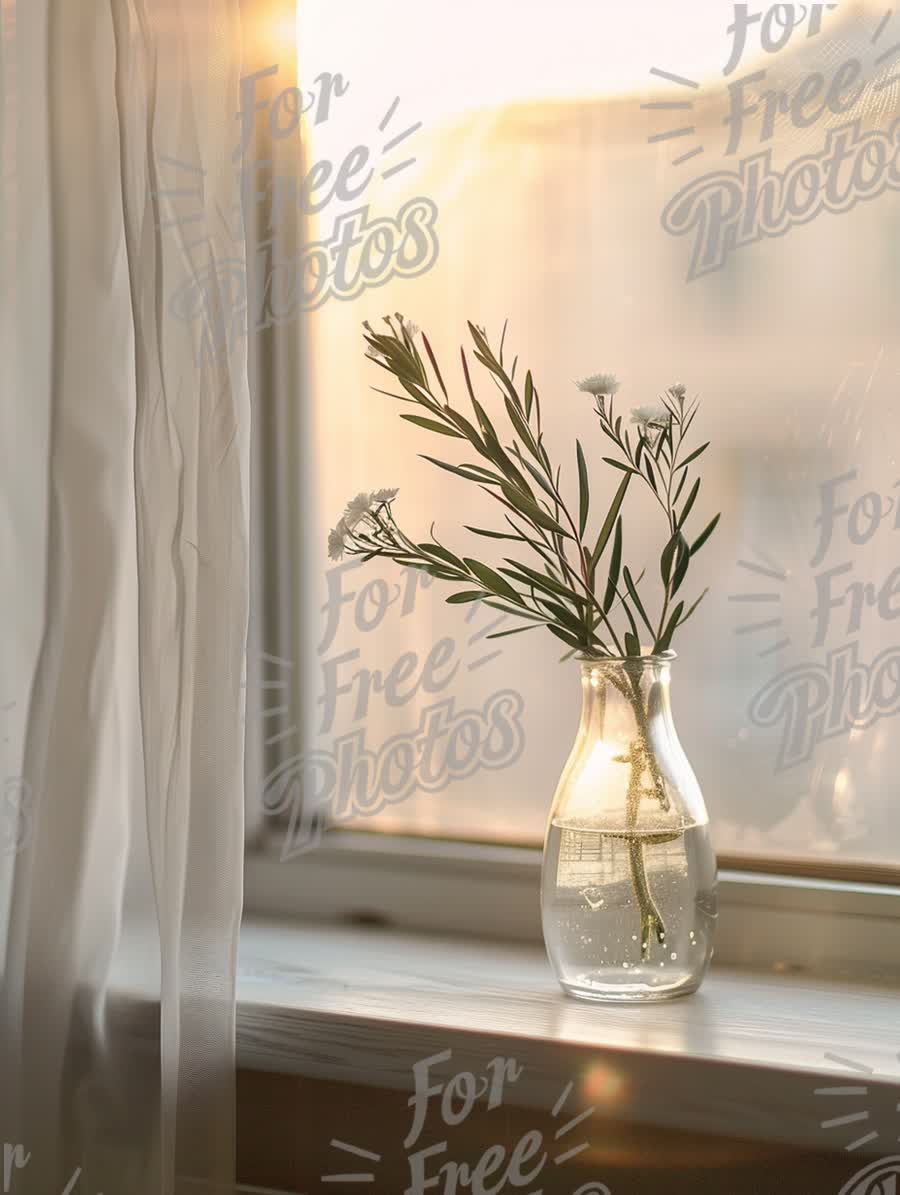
628	915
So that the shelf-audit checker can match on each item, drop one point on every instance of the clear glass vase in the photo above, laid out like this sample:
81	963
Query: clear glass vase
628	892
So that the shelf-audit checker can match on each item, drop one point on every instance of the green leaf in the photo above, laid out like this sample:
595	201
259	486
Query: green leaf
391	394
584	494
541	481
465	365
416	391
668	556
614	564
680	487
483	474
683	620
522	429
568	639
633	593
487	428
609	522
465	595
651	476
682	560
665	560
528	507
689	502
632	644
492	580
495	452
479	339
532	576
687	460
560	613
465	427
629	615
469	472
514	631
434	366
433	426
689	419
662	644
442	553
515	611
492	534
498	376
618	465
704	535
529	394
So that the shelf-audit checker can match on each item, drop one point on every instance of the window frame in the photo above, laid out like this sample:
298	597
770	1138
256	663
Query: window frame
767	921
774	911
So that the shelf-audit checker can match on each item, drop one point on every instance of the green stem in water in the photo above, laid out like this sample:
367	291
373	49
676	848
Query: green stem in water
640	758
651	921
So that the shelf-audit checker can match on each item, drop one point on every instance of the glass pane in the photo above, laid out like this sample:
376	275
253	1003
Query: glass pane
537	195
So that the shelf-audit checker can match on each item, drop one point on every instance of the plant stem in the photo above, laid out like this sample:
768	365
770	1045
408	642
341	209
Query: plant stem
641	758
651	920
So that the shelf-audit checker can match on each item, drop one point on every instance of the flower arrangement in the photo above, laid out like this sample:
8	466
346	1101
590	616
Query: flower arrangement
562	588
551	576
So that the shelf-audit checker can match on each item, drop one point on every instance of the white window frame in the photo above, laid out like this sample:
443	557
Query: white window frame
772	914
807	924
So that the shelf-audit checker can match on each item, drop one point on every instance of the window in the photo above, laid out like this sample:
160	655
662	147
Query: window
376	704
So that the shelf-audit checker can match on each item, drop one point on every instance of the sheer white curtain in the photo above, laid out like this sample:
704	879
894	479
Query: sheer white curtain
123	533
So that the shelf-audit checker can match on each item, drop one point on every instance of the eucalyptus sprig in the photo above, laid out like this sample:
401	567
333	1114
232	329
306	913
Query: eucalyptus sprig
558	584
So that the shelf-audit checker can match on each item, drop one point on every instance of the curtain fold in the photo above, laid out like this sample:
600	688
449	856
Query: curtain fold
128	610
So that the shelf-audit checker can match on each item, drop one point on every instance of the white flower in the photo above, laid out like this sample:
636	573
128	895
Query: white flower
357	508
651	420
599	384
382	496
337	541
407	325
678	390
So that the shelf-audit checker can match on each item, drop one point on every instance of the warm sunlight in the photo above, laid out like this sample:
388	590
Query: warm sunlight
455	58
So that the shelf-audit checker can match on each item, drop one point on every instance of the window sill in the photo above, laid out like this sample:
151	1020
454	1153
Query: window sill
741	1058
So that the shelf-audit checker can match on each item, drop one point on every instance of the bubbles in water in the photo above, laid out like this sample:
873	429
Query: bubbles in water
592	916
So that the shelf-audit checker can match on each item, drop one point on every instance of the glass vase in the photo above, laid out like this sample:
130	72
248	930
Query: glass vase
628	890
